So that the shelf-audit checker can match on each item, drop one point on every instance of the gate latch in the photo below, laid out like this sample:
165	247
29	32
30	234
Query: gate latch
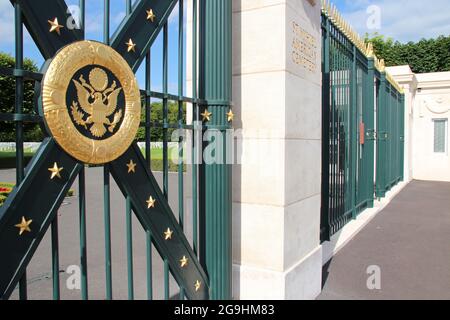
382	136
371	134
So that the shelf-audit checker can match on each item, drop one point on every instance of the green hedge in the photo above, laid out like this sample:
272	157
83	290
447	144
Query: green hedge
156	134
32	132
424	56
8	159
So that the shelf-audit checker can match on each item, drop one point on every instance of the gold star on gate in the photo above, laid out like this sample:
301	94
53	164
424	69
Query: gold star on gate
183	262
131	167
168	234
206	115
24	225
151	202
131	46
55	26
56	172
150	15
230	115
198	285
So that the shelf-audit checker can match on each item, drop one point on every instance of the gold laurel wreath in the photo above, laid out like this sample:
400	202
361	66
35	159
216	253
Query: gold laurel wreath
78	115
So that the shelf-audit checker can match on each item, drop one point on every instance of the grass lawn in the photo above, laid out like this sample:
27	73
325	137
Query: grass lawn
8	159
157	160
157	153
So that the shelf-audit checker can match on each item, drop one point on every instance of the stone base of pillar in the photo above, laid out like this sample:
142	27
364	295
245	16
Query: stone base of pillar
300	282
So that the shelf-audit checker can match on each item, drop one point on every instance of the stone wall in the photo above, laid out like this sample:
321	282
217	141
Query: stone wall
276	185
427	98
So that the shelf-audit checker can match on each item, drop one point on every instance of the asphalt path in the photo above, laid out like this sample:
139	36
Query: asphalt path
410	243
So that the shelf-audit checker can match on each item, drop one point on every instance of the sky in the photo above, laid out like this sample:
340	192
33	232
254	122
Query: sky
403	20
94	31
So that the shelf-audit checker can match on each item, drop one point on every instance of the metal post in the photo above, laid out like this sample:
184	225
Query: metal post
106	182
19	125
165	110
180	120
402	137
388	158
215	201
325	217
195	119
129	236
55	259
129	6
83	236
82	4
370	129
381	138
353	135
107	221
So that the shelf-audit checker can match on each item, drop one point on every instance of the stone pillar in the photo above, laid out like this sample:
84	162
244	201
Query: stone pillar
407	79
276	183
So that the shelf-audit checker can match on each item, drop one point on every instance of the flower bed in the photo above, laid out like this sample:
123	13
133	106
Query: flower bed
6	188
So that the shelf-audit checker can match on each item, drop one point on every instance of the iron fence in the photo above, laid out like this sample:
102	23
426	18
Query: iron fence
356	91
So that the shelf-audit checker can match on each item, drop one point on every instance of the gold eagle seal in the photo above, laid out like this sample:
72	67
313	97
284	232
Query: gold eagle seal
91	102
98	111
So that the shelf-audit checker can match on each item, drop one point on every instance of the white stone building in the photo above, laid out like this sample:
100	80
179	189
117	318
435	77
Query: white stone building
428	112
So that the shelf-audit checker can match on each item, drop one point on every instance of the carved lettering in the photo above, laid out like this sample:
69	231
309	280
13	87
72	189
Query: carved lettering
304	48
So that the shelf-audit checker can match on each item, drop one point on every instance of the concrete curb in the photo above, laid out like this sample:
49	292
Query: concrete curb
344	236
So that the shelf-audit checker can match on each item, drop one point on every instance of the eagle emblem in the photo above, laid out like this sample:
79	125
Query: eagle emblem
98	101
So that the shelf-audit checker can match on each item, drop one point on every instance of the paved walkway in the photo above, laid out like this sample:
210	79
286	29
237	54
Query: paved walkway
410	242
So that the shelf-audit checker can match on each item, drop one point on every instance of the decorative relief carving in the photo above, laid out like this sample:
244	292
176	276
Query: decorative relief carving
437	104
99	117
304	48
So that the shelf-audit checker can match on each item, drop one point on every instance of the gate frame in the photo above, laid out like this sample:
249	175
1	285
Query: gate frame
387	164
215	193
215	181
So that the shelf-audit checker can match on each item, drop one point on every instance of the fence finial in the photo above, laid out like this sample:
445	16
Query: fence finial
332	13
328	7
369	50
324	5
382	65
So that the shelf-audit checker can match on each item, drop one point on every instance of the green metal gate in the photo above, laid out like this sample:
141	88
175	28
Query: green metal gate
365	141
206	270
390	138
352	75
338	132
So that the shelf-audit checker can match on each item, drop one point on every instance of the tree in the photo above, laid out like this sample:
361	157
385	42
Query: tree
33	131
156	116
7	101
427	55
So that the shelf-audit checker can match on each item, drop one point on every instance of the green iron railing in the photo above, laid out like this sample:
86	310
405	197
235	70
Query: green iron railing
337	110
390	137
211	183
349	131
